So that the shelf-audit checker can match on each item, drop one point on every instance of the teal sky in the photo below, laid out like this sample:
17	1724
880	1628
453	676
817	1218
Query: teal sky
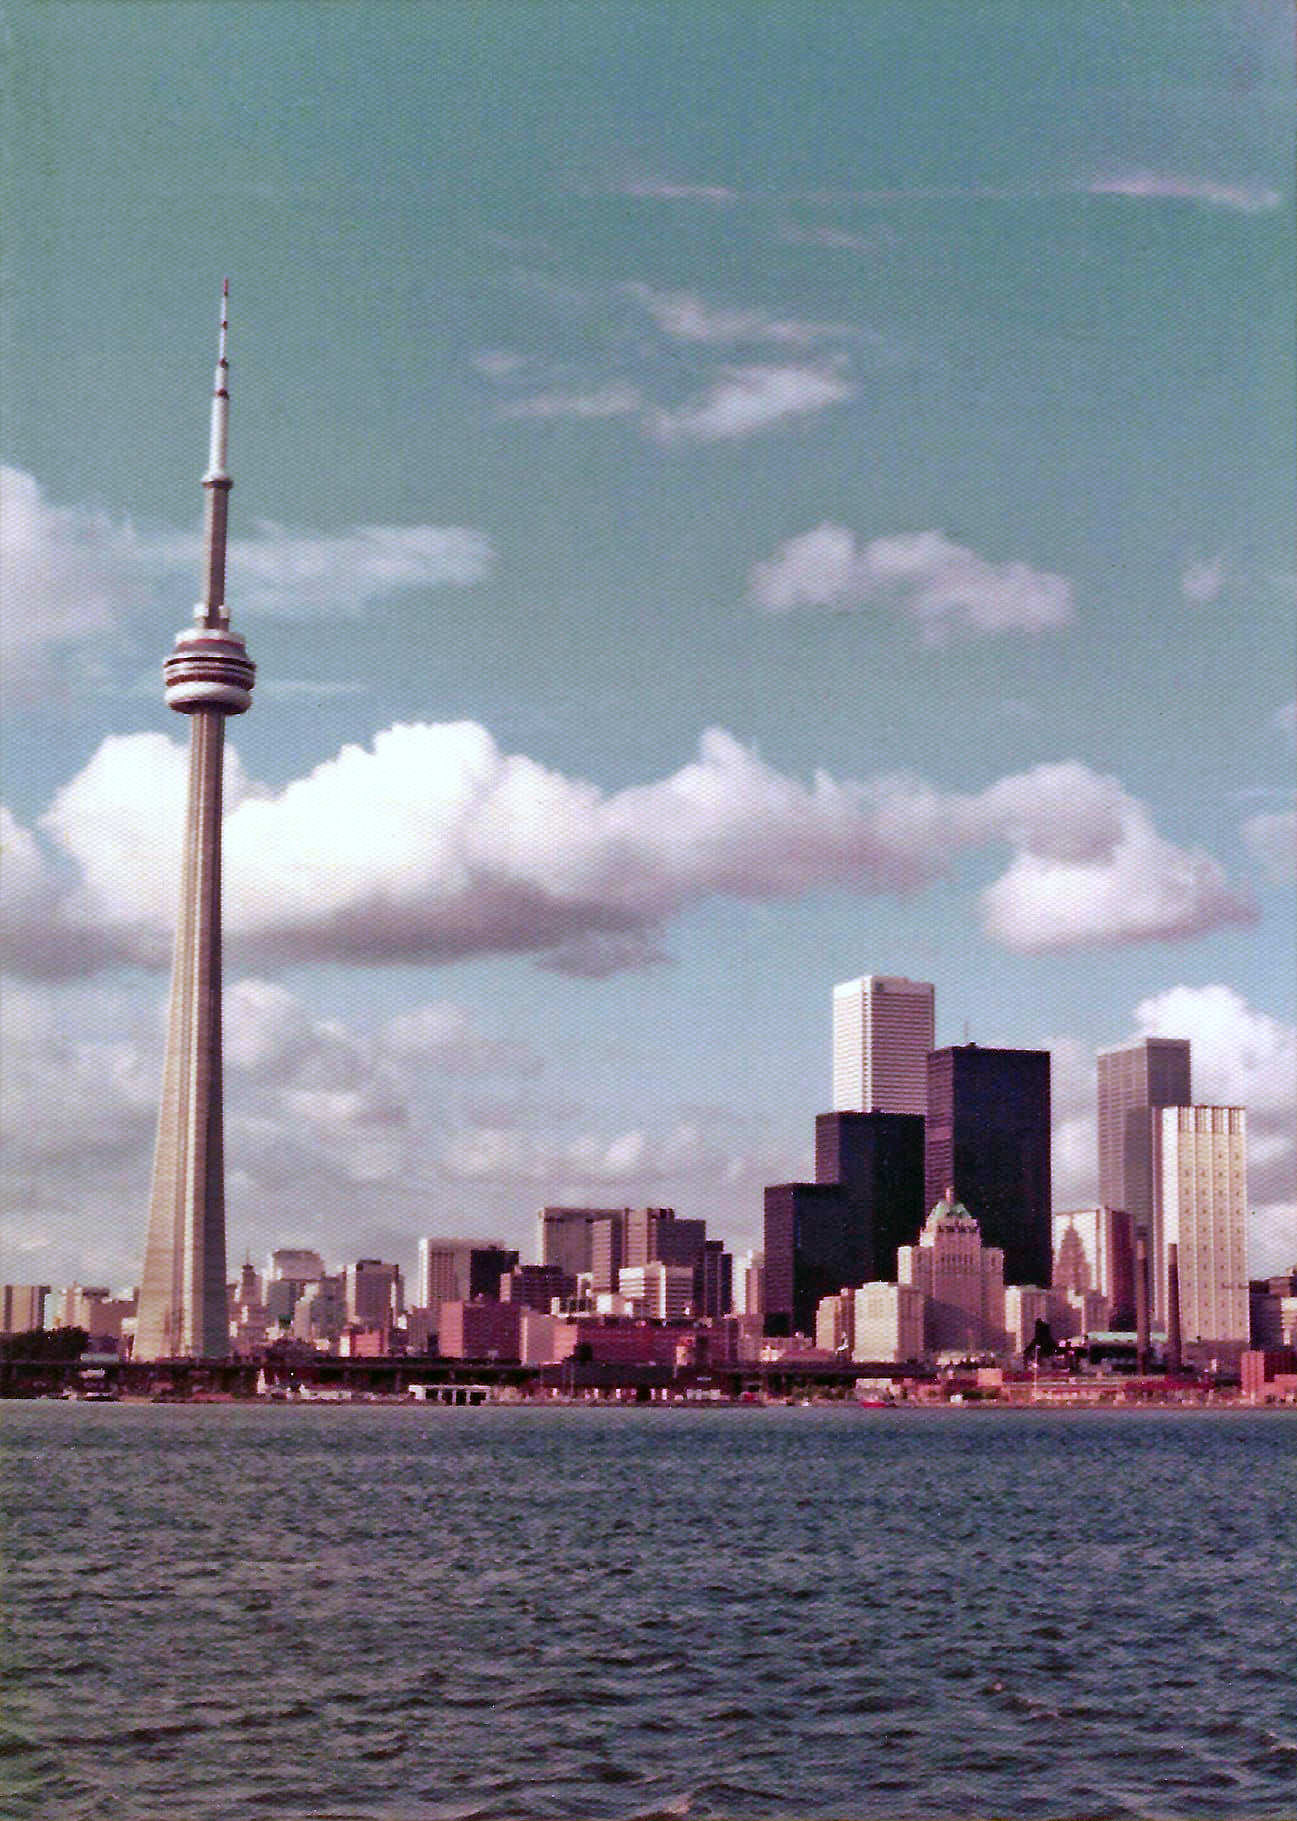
904	392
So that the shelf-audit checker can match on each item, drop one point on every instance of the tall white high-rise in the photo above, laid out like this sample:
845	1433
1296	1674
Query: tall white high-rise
1200	1205
883	1029
182	1310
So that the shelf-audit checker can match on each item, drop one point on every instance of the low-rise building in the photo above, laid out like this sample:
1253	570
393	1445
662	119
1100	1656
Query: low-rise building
663	1292
889	1323
835	1322
483	1329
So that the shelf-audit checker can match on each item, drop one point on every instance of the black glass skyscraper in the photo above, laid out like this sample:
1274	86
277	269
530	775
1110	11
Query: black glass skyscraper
988	1133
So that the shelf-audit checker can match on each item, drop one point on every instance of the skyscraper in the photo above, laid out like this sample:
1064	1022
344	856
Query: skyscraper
1132	1078
988	1133
182	1310
877	1161
457	1270
883	1028
817	1242
1200	1206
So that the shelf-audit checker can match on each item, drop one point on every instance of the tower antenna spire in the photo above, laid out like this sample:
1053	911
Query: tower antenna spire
211	609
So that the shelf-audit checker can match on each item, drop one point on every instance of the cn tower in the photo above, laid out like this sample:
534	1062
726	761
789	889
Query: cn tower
209	675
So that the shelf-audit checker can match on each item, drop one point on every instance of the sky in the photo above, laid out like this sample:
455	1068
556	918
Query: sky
728	498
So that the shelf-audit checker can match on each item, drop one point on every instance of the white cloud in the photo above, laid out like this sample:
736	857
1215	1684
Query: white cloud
302	574
73	568
498	363
684	316
78	571
434	844
1141	888
944	587
748	399
1272	839
1159	186
634	1164
1202	582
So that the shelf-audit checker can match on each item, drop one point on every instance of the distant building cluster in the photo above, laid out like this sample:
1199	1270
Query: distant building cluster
927	1238
929	1230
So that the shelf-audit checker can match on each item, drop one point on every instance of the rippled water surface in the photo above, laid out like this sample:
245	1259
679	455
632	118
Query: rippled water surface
223	1612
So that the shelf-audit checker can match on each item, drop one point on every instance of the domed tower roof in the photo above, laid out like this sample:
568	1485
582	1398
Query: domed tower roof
951	1212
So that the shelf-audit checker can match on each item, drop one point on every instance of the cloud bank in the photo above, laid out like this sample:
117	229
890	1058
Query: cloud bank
433	844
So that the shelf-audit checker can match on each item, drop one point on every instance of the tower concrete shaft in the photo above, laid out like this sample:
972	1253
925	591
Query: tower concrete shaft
182	1309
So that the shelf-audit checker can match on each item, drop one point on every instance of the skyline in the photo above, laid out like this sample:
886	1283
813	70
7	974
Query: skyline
722	507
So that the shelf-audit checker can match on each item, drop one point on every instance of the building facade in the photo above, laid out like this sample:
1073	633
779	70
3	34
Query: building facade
658	1290
1094	1251
1200	1206
564	1237
1133	1077
375	1293
988	1130
816	1242
457	1270
877	1161
883	1028
889	1323
961	1279
22	1307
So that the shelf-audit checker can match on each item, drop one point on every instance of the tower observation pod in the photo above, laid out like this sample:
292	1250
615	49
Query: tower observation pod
209	675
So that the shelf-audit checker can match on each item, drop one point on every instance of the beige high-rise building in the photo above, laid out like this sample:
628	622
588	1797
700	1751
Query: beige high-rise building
962	1279
22	1307
883	1029
182	1307
1200	1205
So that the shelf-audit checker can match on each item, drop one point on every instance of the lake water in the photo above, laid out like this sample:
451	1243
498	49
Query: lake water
434	1615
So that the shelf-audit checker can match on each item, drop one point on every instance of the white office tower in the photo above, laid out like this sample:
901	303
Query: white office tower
1200	1205
883	1029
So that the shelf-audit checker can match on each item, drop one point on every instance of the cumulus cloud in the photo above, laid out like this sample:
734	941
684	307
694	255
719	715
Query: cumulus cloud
747	399
945	588
635	1162
433	844
77	570
1141	888
1272	839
